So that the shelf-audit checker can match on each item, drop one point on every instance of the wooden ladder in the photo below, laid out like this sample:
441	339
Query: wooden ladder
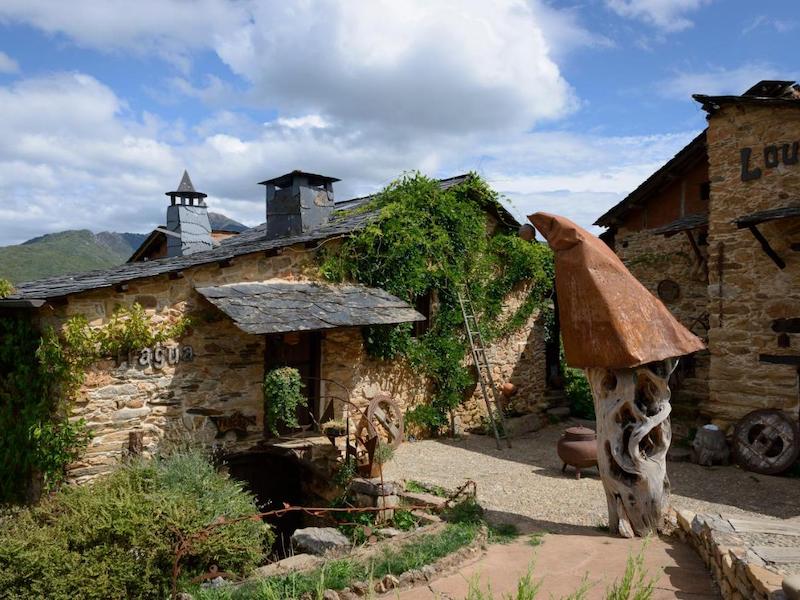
488	389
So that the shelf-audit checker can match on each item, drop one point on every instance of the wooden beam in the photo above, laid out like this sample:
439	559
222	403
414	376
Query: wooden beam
121	287
176	275
701	260
225	263
766	247
780	359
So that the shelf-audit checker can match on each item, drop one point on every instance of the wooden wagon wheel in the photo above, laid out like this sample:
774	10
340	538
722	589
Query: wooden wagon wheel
384	412
766	442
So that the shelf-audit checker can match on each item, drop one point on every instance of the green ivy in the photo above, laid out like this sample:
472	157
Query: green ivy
6	288
40	375
426	239
283	394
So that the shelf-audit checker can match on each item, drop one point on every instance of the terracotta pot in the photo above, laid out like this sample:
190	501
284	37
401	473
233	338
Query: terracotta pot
578	448
508	389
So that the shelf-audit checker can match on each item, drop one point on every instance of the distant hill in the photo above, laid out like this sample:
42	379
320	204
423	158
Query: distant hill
79	250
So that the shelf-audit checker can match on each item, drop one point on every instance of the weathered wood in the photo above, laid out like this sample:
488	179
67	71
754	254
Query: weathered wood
768	250
633	436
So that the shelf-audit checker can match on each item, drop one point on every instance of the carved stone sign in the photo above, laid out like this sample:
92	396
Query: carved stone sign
160	356
774	155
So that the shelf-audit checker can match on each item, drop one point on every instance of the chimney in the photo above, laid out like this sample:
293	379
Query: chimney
297	203
187	220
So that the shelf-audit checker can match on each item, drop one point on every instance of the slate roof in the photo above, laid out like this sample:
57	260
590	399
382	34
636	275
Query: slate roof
248	242
686	223
762	216
282	306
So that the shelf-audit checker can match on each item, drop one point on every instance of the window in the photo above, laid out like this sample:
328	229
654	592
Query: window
423	305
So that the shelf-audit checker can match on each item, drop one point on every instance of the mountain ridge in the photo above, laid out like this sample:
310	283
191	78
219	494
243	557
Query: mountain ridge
78	250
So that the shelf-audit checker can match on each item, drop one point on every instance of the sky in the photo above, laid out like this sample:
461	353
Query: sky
561	105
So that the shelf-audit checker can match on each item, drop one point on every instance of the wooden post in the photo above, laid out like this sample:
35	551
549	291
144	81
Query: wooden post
633	436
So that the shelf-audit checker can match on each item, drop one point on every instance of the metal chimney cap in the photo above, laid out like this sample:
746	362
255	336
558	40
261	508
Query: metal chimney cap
286	180
186	189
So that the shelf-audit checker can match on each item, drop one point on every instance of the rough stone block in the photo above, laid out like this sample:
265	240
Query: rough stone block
298	562
319	540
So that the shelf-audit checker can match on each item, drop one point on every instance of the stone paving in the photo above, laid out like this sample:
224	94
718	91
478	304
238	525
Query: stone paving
524	485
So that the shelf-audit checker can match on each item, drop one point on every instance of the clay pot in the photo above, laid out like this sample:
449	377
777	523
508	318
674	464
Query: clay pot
578	448
508	389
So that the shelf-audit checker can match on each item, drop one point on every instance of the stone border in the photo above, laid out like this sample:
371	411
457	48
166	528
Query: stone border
739	573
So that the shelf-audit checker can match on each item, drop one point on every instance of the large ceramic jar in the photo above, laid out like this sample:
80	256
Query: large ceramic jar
578	448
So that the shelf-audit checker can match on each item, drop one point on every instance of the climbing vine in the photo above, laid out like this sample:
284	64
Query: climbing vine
40	375
426	239
6	289
283	394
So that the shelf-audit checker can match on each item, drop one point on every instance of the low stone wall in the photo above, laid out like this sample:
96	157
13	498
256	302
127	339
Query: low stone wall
739	573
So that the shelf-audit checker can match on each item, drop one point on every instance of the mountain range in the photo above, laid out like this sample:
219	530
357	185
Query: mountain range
80	250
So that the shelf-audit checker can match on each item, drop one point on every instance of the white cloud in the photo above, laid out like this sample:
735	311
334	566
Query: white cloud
421	64
72	155
715	80
667	15
8	64
445	65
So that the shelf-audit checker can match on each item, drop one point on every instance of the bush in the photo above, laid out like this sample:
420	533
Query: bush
579	393
283	393
115	538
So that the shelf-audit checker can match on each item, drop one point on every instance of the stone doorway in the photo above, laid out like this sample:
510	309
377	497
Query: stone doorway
302	351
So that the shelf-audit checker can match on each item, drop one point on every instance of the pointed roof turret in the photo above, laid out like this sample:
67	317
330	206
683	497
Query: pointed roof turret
186	191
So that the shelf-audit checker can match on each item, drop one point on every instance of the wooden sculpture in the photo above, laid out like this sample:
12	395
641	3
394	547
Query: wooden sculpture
627	342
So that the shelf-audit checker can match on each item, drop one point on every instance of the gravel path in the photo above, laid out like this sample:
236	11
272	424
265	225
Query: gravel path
526	482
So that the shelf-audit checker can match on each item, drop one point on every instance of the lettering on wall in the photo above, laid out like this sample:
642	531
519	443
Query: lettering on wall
773	156
159	357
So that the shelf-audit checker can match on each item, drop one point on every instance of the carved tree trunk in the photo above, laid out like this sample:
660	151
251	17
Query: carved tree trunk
633	436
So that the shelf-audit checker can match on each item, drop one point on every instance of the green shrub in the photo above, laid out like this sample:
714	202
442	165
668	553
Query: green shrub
577	389
115	538
6	288
282	395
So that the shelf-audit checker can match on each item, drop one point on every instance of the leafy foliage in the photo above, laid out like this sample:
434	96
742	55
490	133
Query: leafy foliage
426	240
6	289
579	393
282	395
38	439
115	538
40	374
131	329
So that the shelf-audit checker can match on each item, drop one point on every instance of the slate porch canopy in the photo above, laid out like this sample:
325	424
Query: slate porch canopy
286	306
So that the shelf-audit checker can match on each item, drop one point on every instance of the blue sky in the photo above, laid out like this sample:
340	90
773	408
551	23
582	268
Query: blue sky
563	106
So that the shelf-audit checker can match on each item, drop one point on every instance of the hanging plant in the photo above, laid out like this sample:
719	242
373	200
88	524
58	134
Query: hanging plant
283	394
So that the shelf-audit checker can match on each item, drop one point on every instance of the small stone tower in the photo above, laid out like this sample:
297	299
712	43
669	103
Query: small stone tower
298	203
187	216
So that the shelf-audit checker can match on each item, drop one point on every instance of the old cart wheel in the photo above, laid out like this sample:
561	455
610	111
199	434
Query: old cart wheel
383	412
766	442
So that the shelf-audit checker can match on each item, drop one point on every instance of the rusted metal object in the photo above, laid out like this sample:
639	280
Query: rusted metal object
385	414
608	319
578	448
766	442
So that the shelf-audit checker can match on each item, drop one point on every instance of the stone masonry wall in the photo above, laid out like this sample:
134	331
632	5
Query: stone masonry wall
185	402
651	259
747	290
179	402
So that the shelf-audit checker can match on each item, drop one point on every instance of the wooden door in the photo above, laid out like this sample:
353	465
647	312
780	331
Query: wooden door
302	352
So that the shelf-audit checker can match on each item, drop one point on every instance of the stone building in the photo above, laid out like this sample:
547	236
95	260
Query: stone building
256	302
715	233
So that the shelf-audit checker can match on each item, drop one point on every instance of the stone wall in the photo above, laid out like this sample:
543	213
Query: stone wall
179	402
651	259
216	398
747	290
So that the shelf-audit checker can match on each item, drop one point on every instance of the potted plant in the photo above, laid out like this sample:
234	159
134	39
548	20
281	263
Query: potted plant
334	428
283	393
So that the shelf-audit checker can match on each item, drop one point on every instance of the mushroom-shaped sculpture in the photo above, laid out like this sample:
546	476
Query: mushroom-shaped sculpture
628	343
